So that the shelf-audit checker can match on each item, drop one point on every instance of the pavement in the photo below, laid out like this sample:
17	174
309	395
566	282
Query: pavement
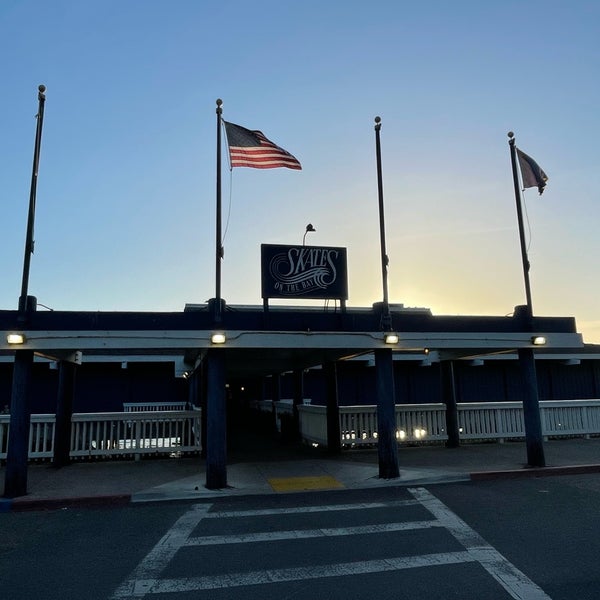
273	467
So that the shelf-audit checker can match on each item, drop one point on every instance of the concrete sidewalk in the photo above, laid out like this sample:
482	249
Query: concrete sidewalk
288	468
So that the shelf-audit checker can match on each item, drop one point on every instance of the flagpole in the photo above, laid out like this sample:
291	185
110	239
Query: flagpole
534	439
525	260
218	247
29	242
386	317
17	450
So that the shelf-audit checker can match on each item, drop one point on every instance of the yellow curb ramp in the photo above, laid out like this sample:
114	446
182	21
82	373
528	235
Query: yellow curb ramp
298	484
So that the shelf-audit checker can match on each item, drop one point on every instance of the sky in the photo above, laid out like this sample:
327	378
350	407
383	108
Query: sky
125	216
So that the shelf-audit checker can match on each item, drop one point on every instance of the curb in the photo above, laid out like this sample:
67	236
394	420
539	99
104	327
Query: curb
535	472
24	504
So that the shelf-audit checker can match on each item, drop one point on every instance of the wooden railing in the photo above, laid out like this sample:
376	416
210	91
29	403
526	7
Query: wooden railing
114	434
178	431
358	424
153	406
477	421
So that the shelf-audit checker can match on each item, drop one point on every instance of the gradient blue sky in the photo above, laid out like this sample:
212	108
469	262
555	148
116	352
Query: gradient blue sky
126	192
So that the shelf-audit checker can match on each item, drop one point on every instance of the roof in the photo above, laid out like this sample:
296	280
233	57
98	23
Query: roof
279	339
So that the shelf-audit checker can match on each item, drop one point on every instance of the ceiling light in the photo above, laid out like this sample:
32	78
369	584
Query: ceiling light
15	338
218	337
391	338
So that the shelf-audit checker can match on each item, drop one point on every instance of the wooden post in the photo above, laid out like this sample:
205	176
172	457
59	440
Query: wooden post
216	426
387	445
531	410
334	435
64	412
449	399
15	477
298	400
275	397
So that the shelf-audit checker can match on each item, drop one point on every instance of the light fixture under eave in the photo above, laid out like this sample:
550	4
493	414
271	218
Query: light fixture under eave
218	337
391	338
538	340
15	338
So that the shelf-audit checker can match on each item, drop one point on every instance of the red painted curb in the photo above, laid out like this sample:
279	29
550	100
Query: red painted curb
535	472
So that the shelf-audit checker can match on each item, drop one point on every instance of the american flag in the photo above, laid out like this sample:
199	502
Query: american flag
252	149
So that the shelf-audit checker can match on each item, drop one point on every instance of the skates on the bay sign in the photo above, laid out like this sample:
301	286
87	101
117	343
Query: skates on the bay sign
317	272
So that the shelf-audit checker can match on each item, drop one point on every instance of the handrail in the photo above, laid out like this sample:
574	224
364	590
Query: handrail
178	431
114	434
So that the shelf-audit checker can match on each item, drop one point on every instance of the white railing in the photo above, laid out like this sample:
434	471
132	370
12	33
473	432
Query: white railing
173	431
358	424
492	420
41	436
153	406
477	421
503	420
114	434
571	418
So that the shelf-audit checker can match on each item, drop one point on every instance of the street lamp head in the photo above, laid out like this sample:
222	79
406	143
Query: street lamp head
309	228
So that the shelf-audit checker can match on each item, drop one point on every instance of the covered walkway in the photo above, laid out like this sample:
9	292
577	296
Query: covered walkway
253	343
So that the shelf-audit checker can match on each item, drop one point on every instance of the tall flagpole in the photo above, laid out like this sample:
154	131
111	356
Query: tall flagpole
386	317
387	446
17	451
29	241
218	246
525	260
534	439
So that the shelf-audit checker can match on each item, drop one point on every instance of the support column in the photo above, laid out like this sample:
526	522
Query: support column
531	410
334	435
298	400
64	412
194	401
275	397
15	478
387	446
216	426
203	391
449	399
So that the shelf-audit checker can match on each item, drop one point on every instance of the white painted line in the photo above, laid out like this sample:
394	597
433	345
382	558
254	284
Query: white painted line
159	557
192	584
515	582
298	534
308	509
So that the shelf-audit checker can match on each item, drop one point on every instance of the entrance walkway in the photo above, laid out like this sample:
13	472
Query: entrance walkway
268	466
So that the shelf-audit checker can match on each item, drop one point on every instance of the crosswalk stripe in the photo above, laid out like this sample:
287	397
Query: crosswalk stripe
270	536
159	557
219	514
267	576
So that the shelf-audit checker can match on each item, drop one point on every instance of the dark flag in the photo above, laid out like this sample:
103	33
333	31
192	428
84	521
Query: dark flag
252	149
531	173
